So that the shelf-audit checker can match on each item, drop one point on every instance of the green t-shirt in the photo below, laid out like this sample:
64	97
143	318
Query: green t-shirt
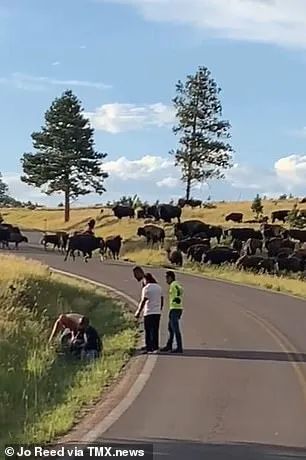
175	295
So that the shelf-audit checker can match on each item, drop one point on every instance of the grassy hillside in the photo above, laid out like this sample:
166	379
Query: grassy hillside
135	250
41	393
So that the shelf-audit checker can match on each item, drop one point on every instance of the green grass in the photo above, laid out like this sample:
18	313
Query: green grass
42	393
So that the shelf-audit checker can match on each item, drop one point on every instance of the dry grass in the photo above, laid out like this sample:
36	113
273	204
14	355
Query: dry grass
134	248
51	220
41	393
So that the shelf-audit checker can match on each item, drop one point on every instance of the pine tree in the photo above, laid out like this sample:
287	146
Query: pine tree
65	160
257	206
203	151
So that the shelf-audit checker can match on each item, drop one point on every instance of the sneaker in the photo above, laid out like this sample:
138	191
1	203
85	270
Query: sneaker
166	349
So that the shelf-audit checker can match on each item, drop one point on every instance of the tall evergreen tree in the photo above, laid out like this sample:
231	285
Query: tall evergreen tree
203	152
65	160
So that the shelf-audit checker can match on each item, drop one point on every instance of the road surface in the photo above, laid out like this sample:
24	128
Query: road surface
238	392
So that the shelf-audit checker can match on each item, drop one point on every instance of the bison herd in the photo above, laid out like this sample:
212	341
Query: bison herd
84	244
271	249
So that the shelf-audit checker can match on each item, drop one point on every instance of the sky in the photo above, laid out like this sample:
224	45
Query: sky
123	58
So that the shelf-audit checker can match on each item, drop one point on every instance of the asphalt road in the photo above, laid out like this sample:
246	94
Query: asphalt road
238	392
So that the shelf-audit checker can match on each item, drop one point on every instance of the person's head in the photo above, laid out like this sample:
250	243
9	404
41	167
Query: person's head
138	273
149	279
83	323
170	277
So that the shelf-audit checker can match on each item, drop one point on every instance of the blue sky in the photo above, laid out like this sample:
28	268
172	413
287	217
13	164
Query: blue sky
123	57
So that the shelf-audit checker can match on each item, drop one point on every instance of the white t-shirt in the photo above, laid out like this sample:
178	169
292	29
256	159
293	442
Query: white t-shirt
153	293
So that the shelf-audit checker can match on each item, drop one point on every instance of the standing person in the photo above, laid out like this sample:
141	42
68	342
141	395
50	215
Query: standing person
139	275
175	313
152	303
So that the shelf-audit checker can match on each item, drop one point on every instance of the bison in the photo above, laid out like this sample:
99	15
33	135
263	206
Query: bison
256	263
11	234
182	202
274	245
86	244
189	228
290	264
279	215
251	246
184	245
58	240
220	255
123	211
297	234
167	212
270	230
113	245
243	234
152	233
195	253
235	217
175	257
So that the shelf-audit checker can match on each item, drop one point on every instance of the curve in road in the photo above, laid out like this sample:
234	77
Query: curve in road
239	390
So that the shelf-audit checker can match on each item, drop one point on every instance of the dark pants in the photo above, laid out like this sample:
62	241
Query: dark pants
151	326
174	328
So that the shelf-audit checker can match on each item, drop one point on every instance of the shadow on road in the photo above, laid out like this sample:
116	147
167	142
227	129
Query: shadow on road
171	449
243	354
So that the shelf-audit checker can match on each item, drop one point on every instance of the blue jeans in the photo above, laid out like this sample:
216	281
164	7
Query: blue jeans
174	328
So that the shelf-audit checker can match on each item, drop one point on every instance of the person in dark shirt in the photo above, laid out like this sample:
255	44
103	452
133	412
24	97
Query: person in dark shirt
88	340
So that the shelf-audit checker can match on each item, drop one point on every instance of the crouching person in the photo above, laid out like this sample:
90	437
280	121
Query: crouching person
87	341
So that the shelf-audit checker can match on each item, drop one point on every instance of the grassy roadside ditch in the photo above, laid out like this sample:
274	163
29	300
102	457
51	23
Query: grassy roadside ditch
41	393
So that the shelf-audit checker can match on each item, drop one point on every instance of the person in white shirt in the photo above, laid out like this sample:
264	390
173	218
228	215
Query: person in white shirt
151	304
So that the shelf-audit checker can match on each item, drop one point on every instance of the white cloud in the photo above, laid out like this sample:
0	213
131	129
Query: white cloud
169	182
280	22
292	170
20	190
56	63
145	167
116	118
35	83
154	177
288	175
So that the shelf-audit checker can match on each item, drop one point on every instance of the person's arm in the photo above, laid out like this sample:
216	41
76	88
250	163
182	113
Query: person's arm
142	303
56	328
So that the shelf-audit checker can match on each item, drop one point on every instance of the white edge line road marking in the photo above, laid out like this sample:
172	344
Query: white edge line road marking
138	385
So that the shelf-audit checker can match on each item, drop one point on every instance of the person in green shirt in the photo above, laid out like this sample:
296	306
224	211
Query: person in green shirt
175	313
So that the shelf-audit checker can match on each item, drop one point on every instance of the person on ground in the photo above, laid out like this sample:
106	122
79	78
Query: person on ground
151	304
175	313
87	341
66	324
